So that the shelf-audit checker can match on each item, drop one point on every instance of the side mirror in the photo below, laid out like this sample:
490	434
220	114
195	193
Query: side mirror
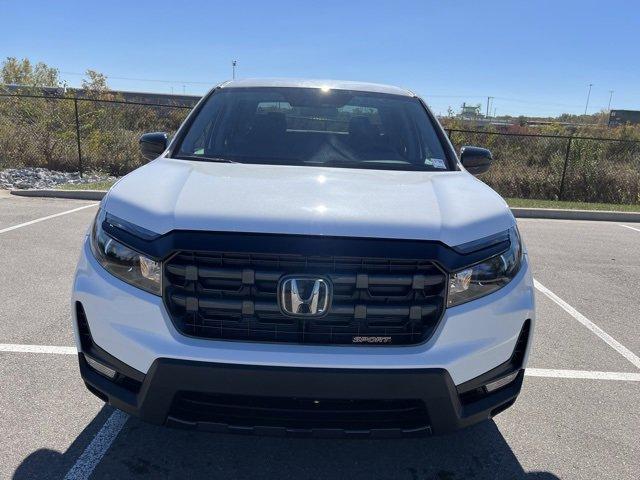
475	159
153	144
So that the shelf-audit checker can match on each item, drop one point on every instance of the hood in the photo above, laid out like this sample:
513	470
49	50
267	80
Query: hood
169	194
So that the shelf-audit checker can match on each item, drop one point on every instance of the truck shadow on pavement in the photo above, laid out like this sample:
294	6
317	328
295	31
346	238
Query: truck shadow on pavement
146	451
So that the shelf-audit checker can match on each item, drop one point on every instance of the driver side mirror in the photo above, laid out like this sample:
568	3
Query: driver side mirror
153	144
475	159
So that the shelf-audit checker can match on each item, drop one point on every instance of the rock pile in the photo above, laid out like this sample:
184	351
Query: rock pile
40	178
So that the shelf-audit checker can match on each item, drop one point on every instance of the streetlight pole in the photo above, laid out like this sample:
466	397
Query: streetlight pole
233	68
488	101
588	95
610	97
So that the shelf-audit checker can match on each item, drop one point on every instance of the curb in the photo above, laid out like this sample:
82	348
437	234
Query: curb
518	212
557	214
74	194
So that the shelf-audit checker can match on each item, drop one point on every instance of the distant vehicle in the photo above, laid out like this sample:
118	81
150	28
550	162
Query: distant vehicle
623	117
305	258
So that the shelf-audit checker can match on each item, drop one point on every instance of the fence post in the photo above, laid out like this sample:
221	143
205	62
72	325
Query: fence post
564	168
75	104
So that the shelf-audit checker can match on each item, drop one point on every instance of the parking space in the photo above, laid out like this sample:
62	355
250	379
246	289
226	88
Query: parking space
39	261
561	426
594	266
47	419
562	343
18	210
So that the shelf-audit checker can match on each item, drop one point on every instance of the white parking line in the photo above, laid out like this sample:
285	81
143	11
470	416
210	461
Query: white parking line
631	228
589	375
16	348
94	452
42	219
608	339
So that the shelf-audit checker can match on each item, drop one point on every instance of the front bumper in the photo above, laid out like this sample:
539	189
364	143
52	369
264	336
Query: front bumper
299	401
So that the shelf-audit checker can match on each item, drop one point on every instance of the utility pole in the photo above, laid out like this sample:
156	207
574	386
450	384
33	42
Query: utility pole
488	100
588	95
610	97
233	68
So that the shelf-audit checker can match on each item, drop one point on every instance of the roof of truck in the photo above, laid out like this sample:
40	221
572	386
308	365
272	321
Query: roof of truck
317	83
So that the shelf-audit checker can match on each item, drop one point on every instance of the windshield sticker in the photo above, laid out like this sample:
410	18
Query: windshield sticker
438	163
428	161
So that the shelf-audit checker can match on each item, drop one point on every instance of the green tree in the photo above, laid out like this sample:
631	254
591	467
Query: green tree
23	72
95	82
33	130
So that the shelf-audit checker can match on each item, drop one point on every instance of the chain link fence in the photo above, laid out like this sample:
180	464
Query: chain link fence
79	133
559	167
101	132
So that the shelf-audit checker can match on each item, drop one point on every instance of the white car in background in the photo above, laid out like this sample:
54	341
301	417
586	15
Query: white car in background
306	258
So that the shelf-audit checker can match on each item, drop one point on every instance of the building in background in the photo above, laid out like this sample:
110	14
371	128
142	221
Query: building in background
470	112
623	117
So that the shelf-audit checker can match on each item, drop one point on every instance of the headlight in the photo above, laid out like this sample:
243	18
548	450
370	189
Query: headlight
123	262
488	276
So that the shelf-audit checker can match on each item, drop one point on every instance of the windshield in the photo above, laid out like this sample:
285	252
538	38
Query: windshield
310	126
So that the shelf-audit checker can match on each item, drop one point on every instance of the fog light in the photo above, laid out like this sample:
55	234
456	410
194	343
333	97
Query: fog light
501	382
100	368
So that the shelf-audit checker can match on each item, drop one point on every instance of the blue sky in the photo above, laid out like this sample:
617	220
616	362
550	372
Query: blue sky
535	57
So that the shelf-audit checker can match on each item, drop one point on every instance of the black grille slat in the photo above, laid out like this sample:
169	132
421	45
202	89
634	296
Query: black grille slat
236	274
233	296
337	309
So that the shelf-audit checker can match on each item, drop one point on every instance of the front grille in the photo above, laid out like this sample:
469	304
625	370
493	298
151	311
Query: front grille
298	415
233	296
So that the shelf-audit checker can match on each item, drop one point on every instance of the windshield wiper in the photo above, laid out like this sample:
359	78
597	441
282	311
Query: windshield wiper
202	158
369	164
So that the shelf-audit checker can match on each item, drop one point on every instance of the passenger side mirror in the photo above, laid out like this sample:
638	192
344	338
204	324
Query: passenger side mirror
153	144
475	159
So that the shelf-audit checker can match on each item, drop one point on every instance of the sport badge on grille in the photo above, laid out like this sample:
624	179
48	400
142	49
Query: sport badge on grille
304	296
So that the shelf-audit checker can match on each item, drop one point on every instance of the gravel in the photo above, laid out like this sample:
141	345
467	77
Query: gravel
42	178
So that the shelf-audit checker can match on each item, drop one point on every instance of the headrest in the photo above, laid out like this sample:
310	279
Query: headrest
272	123
361	126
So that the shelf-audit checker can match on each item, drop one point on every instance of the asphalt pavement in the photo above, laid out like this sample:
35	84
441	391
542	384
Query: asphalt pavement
577	416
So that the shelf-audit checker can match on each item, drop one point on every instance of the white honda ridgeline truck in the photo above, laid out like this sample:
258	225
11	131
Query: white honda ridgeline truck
306	258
